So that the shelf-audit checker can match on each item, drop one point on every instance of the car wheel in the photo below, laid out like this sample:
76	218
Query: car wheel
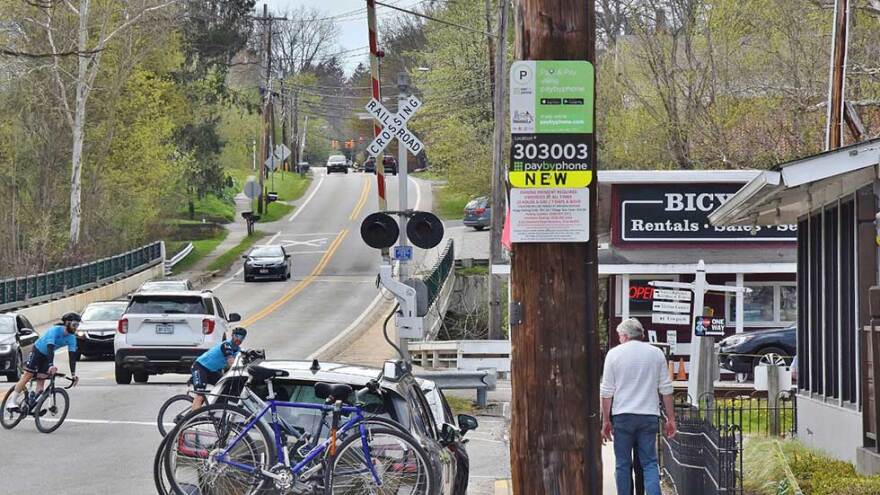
765	354
123	376
288	274
141	377
248	278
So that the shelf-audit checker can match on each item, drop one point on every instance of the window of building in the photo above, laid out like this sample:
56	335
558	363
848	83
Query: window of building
770	304
641	295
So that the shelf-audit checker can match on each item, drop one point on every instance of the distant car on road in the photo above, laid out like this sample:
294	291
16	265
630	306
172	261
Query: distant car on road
154	285
337	163
390	164
17	336
370	165
96	332
740	353
267	262
416	404
478	213
303	167
164	332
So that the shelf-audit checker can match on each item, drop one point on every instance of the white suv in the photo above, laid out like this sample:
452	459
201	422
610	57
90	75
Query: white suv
165	331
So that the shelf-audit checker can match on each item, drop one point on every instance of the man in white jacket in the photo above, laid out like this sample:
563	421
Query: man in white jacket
634	379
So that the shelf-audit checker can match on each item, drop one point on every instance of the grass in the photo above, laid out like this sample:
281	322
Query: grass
450	204
225	260
460	405
212	209
755	415
288	185
200	249
472	270
769	466
274	212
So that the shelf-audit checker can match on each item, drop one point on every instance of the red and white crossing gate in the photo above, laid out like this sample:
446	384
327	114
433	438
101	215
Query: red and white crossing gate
394	126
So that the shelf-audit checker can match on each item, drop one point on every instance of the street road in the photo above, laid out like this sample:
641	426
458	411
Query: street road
109	439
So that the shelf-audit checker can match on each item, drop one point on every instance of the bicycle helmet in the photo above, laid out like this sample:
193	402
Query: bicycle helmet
71	316
239	332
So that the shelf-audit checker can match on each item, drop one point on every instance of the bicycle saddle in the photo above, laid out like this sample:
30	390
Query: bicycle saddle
338	391
260	373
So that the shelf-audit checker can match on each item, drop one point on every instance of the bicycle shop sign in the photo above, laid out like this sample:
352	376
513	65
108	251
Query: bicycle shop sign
680	213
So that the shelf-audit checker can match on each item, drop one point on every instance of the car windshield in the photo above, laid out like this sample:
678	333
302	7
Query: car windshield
266	252
476	203
7	324
191	305
103	312
336	159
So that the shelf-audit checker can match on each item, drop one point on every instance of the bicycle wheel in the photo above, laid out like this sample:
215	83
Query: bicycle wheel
10	419
191	450
51	410
172	411
401	465
163	486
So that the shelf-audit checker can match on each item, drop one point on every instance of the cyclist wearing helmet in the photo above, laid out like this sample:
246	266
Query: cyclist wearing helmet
208	368
41	361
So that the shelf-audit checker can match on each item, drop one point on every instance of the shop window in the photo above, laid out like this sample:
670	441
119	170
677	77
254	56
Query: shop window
641	295
771	304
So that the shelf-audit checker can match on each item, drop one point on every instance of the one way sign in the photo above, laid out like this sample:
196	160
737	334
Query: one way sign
394	126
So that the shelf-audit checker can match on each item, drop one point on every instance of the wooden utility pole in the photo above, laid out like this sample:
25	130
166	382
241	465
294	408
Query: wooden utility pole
555	430
268	131
499	184
837	84
295	152
491	50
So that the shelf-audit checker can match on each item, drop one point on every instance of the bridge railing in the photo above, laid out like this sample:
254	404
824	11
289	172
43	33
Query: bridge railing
34	289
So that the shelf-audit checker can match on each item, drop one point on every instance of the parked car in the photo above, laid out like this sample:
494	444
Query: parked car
164	332
96	332
740	353
167	284
337	163
405	399
17	337
370	165
267	262
478	213
303	167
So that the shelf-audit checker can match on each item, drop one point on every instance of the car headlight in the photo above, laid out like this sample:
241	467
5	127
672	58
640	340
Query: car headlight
5	348
80	333
736	340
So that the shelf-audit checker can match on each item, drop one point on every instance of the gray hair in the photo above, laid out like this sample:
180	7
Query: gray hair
632	328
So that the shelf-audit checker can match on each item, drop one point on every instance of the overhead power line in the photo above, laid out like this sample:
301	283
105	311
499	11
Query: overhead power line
430	18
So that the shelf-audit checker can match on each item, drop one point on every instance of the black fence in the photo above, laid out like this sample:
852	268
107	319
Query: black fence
706	455
439	272
34	289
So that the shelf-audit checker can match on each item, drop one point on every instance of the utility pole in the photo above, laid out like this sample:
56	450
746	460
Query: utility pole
268	129
302	146
555	431
285	139
491	45
295	122
499	184
837	83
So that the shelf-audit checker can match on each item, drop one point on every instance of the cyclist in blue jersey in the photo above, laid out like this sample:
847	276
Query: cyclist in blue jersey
41	361
208	368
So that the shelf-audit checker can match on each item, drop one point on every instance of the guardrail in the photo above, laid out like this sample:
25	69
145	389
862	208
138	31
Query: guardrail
440	272
177	258
483	381
468	355
34	289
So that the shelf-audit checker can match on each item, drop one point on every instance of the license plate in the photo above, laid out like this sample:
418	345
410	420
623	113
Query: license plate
165	329
264	270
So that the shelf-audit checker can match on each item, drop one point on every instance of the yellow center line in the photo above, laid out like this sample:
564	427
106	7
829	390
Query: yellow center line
365	194
324	261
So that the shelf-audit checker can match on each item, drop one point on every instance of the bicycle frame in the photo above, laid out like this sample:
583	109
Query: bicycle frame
272	407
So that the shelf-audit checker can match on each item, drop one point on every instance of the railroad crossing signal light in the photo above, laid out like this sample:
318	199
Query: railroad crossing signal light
424	230
379	230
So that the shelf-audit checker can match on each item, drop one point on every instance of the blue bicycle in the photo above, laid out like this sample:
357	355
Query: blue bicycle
227	449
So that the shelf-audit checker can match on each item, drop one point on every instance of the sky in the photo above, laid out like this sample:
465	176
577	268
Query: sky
352	28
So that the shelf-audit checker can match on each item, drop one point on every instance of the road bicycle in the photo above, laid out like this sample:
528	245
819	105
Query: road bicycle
177	406
225	448
49	408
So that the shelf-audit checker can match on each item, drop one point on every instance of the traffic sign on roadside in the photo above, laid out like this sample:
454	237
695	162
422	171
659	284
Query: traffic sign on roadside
403	253
282	152
394	126
271	162
671	307
670	319
251	189
672	295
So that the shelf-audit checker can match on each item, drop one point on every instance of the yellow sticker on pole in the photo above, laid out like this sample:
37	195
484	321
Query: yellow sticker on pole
551	178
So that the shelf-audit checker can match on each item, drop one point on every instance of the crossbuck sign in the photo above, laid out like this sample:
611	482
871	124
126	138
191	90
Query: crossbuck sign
394	126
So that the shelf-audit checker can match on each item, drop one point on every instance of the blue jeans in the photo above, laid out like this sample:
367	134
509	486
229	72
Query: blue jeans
639	431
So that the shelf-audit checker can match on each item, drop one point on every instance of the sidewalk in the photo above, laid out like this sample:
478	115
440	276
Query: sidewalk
237	232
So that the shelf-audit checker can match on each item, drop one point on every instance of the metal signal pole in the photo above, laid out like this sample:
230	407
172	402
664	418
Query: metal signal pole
555	431
377	94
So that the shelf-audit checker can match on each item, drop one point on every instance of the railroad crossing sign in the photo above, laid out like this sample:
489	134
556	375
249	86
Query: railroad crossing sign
394	126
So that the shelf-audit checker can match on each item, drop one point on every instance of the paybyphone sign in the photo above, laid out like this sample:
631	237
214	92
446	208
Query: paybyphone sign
680	212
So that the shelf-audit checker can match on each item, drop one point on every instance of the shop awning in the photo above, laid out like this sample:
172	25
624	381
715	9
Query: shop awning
795	188
652	261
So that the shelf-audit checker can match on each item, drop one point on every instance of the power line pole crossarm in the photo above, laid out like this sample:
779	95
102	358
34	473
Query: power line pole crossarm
555	429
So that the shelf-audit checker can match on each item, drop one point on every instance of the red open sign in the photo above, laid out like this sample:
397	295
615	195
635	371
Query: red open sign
641	292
